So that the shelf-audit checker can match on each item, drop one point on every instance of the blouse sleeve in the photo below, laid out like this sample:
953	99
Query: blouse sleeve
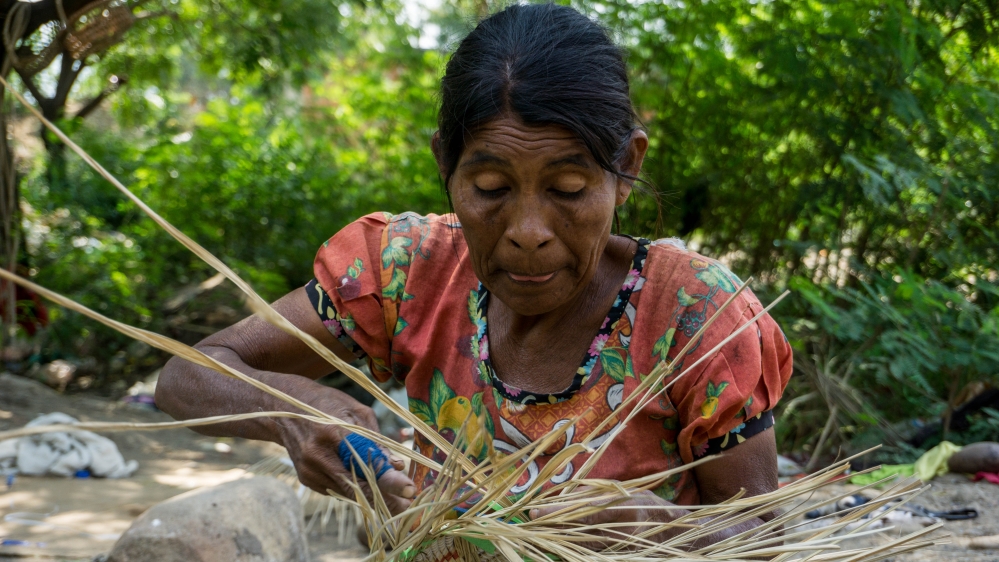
347	292
729	396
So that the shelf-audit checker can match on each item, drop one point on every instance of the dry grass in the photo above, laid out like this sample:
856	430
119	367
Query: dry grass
497	524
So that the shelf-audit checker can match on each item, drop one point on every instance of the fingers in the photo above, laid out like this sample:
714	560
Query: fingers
314	450
321	474
396	504
396	462
396	483
365	417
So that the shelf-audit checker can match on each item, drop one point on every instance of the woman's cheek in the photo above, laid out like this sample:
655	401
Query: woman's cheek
473	210
475	222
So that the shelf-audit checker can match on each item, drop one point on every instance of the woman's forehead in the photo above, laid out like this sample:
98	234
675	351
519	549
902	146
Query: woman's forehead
507	139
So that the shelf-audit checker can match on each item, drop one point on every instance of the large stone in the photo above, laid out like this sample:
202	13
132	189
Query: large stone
251	520
977	457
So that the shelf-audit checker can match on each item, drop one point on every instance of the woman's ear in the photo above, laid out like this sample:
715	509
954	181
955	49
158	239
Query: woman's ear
630	163
437	149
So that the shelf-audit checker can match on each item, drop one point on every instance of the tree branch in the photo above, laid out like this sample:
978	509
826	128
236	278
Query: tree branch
96	102
30	85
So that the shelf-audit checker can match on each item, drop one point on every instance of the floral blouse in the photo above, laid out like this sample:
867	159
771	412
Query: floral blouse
400	292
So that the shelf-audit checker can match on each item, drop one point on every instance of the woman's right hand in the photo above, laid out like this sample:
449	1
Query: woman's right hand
261	351
314	447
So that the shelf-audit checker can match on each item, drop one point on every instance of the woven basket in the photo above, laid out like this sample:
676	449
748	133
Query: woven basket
36	51
29	63
97	26
450	549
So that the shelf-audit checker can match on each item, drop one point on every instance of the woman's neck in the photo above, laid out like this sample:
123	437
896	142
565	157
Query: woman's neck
541	353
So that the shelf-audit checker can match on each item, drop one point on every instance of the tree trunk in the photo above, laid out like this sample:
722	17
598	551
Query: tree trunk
10	230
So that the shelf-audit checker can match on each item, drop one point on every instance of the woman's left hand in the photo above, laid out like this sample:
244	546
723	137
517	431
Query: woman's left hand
621	519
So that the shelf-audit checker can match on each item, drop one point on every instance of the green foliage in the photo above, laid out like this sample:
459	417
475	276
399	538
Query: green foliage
865	129
259	181
897	347
984	427
846	150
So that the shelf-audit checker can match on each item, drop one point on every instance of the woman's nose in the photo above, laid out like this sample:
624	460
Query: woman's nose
528	229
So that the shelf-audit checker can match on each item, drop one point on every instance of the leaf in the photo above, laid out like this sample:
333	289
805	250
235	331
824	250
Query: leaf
423	411
477	404
474	312
400	325
668	448
353	272
490	425
612	364
359	264
347	321
685	299
395	252
813	294
497	398
715	276
396	286
716	390
479	407
660	349
440	392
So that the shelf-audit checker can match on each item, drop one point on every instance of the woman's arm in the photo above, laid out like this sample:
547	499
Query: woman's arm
264	352
752	466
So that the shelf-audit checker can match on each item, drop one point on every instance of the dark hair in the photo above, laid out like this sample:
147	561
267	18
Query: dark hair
546	64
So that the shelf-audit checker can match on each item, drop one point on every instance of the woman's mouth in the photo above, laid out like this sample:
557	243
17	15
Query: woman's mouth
530	278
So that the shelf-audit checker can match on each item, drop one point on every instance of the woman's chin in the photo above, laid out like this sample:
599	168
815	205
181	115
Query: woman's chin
532	299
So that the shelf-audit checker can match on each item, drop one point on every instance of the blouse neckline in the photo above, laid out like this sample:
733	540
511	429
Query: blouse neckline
630	285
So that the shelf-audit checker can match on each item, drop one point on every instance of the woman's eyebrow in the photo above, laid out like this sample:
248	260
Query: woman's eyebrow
578	160
479	157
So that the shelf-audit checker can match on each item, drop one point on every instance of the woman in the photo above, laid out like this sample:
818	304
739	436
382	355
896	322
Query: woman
521	309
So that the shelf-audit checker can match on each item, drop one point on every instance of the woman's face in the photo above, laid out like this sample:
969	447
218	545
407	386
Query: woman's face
536	210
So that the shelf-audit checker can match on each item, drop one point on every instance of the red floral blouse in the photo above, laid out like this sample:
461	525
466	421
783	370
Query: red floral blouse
400	291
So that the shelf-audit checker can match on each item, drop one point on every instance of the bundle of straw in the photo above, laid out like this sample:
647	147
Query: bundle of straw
436	527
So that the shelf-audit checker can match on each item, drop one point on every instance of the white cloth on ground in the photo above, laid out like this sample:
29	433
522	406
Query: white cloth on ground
63	453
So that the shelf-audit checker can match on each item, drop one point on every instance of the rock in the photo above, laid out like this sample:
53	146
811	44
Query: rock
58	374
977	457
24	388
251	520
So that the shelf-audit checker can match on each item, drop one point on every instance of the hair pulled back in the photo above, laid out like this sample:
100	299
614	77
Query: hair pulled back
548	65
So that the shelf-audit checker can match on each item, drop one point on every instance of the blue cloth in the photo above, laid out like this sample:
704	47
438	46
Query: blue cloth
368	450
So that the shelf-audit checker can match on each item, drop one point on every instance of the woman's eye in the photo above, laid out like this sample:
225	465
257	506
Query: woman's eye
492	192
567	195
568	187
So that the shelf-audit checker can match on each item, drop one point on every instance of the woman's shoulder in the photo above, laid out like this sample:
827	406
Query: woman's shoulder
398	238
386	276
681	289
377	224
671	264
395	248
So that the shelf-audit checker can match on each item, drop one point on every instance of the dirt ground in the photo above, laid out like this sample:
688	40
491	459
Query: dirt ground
79	519
945	493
